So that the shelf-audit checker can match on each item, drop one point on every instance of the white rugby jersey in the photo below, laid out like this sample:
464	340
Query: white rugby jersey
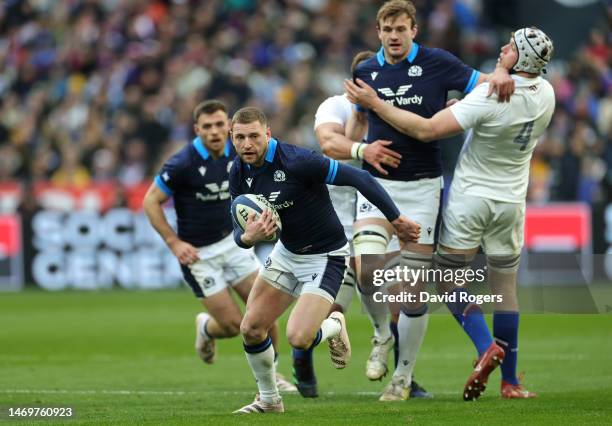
338	109
494	161
335	109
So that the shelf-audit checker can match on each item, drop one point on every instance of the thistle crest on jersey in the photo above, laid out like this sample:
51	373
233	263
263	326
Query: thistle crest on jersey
415	71
279	176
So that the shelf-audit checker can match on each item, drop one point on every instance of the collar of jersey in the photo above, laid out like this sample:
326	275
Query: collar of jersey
199	146
270	151
380	55
521	81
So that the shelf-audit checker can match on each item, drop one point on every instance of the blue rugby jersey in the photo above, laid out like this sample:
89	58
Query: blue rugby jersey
293	180
199	186
418	84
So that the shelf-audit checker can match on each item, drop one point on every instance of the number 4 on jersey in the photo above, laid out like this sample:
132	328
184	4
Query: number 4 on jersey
524	135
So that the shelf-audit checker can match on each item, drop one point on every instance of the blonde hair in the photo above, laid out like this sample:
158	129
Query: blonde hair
248	115
395	8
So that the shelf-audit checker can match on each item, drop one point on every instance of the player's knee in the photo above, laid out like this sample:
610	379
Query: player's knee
300	339
444	259
504	263
251	331
419	264
369	242
232	327
502	279
347	289
371	239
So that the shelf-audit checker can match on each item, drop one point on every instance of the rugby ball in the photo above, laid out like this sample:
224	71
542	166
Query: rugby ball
246	204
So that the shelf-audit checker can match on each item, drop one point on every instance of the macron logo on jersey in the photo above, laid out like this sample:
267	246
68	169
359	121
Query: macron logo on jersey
374	75
165	176
398	97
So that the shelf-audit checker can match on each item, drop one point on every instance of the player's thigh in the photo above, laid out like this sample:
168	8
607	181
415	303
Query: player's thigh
320	278
306	318
420	201
504	234
502	244
240	268
244	286
464	221
264	305
371	237
223	308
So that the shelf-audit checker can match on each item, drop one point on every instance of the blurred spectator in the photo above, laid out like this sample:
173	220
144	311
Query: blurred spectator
97	90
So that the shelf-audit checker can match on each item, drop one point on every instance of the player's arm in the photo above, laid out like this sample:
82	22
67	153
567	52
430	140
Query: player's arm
345	175
152	204
441	125
357	124
336	145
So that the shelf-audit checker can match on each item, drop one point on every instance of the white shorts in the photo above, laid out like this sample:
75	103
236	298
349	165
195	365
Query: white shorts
344	199
298	274
419	200
469	221
221	265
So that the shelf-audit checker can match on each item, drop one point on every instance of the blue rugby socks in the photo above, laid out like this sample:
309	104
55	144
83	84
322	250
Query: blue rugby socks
471	319
505	330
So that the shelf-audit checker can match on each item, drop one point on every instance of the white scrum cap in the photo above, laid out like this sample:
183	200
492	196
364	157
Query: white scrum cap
534	50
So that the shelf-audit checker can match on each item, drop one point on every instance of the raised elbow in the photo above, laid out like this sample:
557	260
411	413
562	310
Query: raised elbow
326	146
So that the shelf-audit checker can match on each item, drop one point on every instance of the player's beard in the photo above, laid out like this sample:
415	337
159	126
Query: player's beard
252	158
403	52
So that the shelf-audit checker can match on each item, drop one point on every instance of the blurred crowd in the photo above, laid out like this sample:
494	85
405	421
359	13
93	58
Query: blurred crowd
98	91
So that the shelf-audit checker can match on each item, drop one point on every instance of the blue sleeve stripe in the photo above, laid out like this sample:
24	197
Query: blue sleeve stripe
335	171
331	174
472	83
160	183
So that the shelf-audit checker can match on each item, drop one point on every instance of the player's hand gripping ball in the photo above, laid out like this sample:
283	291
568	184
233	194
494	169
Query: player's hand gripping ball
246	204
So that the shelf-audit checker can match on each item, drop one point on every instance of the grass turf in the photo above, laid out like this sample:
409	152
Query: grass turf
123	357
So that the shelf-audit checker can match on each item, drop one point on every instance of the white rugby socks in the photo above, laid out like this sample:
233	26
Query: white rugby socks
203	332
378	313
261	360
329	328
411	333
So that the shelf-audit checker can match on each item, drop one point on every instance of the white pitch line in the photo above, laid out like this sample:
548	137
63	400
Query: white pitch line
173	393
94	392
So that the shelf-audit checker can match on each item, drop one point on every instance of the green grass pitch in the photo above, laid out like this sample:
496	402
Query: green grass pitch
123	357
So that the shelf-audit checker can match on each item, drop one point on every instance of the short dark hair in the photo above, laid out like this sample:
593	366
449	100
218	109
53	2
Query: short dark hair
248	115
360	57
395	8
208	107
